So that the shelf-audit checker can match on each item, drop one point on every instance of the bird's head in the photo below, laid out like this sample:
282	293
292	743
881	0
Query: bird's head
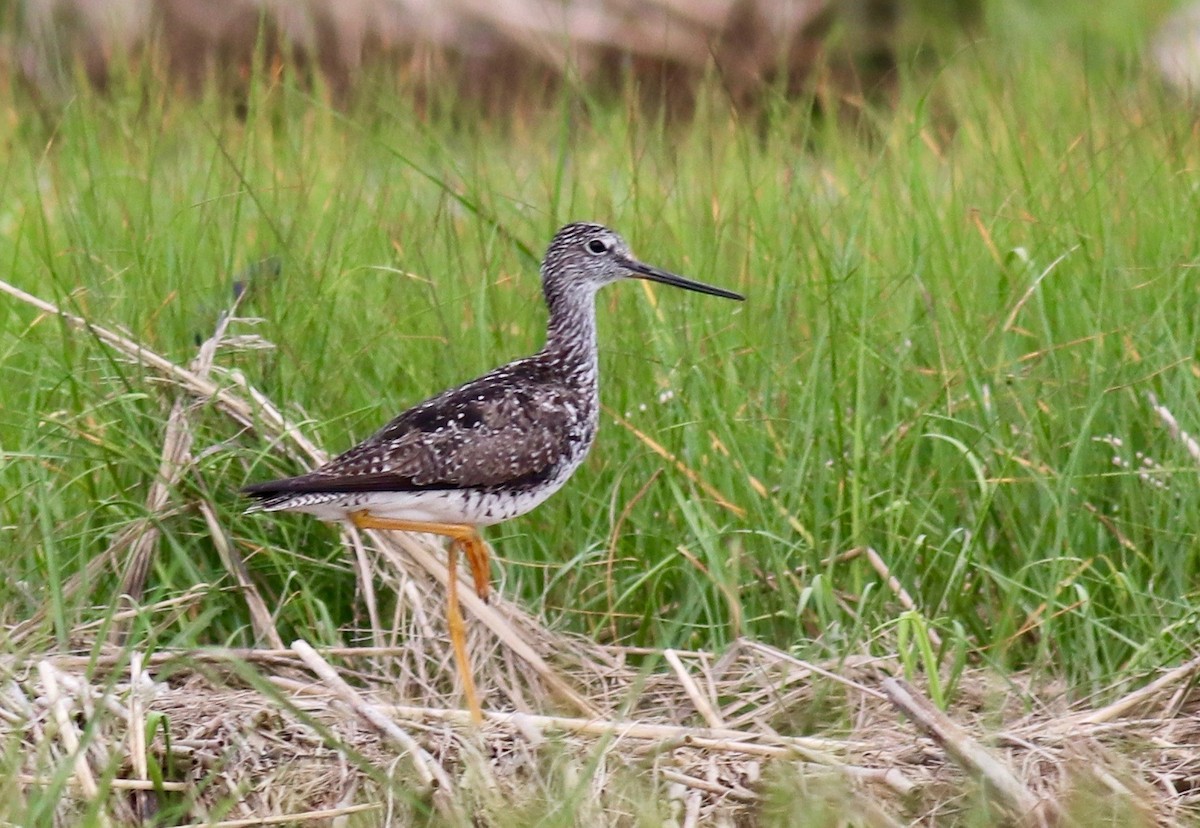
585	256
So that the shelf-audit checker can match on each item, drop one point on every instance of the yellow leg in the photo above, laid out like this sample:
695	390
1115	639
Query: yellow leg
458	634
477	557
473	545
465	536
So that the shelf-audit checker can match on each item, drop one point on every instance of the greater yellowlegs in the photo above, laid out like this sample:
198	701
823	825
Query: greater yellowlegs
493	448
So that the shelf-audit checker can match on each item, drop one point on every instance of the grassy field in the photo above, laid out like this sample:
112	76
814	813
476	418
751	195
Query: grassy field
958	315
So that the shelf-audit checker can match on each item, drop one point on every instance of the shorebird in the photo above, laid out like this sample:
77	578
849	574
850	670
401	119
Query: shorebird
490	449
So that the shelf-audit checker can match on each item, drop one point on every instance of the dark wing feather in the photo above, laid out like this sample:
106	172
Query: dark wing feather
509	427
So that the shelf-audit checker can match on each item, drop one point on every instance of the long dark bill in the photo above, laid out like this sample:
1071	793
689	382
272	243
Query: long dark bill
645	271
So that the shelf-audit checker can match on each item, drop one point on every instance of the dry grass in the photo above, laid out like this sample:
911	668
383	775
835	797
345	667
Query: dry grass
253	734
588	734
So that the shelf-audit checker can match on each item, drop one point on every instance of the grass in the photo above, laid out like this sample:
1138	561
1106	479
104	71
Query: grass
955	316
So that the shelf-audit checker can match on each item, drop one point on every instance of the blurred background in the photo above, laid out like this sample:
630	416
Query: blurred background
503	56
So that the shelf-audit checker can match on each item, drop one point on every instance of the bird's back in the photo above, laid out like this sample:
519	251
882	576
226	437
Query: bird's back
523	425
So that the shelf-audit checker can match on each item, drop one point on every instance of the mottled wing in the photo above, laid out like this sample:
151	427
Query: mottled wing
491	432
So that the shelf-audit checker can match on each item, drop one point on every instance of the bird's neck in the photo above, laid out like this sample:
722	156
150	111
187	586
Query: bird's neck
571	332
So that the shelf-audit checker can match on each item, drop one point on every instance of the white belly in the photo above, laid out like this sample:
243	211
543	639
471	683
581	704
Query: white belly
465	507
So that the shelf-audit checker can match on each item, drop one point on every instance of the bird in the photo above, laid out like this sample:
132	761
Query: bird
491	449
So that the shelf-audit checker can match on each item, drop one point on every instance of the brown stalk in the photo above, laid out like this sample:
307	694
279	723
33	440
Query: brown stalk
998	780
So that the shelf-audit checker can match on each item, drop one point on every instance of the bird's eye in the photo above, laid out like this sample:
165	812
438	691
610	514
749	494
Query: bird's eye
597	246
